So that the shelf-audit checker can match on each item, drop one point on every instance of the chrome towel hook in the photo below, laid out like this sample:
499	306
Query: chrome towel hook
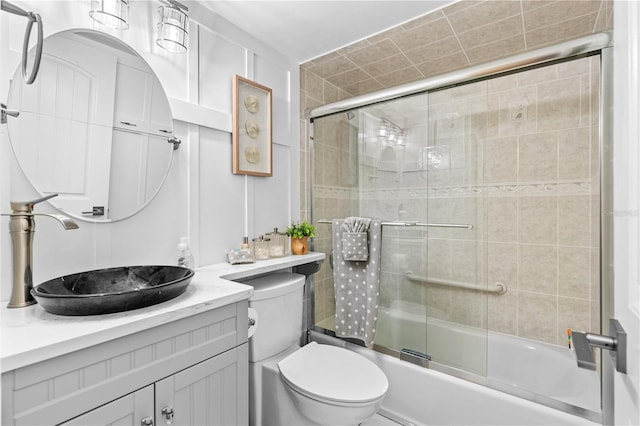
32	17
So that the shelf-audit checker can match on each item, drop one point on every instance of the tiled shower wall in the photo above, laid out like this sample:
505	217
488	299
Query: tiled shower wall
514	231
336	196
538	220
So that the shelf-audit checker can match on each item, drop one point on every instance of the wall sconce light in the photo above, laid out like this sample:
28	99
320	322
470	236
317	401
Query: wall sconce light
111	13
172	28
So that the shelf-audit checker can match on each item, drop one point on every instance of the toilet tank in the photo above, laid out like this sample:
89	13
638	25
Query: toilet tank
277	298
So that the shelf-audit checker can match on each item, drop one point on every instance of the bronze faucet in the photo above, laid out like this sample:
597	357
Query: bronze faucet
22	226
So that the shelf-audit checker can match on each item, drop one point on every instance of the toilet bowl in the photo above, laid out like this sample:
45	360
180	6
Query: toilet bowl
333	386
310	385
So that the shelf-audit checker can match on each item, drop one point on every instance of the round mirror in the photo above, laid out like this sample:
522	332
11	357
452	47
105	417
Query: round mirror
95	127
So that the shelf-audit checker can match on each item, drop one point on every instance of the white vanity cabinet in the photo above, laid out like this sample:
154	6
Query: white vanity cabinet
193	369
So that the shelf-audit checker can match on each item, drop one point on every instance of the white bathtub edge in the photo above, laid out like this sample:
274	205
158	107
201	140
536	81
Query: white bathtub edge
451	401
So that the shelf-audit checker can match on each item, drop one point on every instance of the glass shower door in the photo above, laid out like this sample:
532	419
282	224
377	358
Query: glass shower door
395	162
456	278
393	189
517	156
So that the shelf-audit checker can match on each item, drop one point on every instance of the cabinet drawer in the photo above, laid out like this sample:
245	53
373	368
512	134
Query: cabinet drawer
129	410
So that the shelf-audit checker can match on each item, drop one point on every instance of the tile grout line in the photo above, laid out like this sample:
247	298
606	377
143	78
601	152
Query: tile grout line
457	39
524	29
599	16
557	244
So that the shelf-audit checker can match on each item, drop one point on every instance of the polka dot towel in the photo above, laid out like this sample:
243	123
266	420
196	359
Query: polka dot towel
357	283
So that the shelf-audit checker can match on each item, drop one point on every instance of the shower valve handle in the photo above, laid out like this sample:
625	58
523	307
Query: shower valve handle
616	343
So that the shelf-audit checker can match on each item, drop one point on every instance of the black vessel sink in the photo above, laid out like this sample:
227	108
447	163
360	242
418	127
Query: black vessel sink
105	291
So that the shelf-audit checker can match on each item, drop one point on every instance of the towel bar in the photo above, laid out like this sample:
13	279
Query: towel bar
431	225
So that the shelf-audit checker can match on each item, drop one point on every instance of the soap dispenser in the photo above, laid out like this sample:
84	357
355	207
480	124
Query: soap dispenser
185	257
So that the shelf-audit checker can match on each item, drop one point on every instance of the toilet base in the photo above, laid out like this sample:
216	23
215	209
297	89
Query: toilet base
270	405
261	383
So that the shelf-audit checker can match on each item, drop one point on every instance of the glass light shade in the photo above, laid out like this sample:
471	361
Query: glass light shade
391	133
111	13
383	131
402	138
172	29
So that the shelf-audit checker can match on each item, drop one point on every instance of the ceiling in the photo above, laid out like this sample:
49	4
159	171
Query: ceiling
305	29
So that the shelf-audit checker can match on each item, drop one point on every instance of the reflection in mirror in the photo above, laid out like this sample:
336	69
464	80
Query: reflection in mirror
93	127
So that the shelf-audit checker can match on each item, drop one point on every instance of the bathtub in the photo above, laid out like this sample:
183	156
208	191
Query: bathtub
507	380
507	362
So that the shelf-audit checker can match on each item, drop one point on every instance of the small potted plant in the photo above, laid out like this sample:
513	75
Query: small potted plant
300	234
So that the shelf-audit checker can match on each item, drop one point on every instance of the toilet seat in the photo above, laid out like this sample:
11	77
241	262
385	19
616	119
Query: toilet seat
333	374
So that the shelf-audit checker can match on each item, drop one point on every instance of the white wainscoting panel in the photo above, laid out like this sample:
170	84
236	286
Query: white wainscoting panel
272	195
220	60
222	214
277	77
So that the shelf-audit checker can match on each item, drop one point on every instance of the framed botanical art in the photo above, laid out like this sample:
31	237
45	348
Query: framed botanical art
252	144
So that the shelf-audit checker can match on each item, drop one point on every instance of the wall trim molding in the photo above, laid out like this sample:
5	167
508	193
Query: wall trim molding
200	115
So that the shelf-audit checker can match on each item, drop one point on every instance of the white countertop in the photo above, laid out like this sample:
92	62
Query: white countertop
30	335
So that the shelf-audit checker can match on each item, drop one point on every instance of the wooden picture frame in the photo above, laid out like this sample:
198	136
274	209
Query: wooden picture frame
252	132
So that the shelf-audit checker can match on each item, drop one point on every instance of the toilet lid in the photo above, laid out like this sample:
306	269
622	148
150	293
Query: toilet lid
333	373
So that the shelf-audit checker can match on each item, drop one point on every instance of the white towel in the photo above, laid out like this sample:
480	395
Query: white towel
357	285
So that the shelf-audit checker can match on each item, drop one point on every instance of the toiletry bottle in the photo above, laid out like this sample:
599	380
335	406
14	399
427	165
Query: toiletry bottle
185	258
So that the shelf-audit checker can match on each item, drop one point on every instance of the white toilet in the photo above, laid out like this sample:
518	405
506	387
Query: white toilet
313	385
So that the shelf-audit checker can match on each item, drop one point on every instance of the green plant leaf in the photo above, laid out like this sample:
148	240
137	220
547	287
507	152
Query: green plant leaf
300	230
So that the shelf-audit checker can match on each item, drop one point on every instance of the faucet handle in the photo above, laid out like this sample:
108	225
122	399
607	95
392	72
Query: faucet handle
4	112
27	206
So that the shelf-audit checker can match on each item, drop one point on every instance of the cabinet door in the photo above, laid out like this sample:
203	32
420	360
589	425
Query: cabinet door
129	410
213	392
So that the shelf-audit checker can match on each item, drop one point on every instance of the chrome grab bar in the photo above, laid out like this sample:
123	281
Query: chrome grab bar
432	225
498	287
32	17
